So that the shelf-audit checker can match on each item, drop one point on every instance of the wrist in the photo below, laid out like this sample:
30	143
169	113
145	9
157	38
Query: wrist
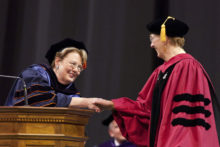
79	102
112	105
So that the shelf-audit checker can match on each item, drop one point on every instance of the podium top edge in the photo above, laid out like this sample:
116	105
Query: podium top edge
33	109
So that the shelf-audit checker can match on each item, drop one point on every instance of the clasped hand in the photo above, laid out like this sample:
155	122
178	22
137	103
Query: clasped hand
99	104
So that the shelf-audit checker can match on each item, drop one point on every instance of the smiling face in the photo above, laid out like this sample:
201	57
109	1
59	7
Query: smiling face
157	44
68	68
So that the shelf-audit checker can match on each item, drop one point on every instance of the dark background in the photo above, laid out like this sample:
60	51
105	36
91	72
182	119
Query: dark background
120	59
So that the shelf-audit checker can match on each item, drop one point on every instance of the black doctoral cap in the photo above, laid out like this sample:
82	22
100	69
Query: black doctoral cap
169	26
59	46
108	120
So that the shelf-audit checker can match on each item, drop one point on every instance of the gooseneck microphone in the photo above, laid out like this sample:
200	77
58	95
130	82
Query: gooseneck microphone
24	86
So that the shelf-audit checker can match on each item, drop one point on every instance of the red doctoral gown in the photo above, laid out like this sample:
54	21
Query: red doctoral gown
174	108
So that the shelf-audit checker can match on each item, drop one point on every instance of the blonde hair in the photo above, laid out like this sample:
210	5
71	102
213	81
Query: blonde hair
179	41
62	54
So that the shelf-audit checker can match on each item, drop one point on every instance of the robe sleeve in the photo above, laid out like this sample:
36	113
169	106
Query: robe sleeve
187	112
133	117
39	90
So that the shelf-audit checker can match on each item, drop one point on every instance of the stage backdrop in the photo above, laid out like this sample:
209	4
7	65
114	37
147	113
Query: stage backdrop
114	31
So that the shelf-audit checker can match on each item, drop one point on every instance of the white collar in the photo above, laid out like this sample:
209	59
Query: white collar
116	142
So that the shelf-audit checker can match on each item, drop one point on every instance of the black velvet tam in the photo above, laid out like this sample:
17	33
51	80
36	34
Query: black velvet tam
108	120
57	47
174	28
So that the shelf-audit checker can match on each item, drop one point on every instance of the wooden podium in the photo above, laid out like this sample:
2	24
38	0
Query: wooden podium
43	126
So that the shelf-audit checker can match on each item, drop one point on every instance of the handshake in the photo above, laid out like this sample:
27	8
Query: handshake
96	104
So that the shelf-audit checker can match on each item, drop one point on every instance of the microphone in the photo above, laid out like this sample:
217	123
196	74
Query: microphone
24	86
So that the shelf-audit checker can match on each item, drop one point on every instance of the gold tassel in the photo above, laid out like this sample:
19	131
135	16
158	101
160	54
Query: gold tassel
163	33
163	29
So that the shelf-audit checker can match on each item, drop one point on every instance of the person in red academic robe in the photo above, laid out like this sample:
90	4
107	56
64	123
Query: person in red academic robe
177	106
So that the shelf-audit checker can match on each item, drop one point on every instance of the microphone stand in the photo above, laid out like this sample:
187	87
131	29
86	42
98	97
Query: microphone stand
24	86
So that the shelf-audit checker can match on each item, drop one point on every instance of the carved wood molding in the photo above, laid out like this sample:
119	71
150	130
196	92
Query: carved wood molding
61	137
43	126
45	115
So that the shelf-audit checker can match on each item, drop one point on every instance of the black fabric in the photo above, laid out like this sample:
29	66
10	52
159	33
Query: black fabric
191	110
155	113
108	120
57	47
191	98
191	123
51	105
33	88
37	99
56	85
174	28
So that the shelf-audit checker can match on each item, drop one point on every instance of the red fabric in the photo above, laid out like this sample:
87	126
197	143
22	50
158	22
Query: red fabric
133	117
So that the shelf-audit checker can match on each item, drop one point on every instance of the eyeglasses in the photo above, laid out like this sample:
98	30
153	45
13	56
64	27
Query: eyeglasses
74	65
